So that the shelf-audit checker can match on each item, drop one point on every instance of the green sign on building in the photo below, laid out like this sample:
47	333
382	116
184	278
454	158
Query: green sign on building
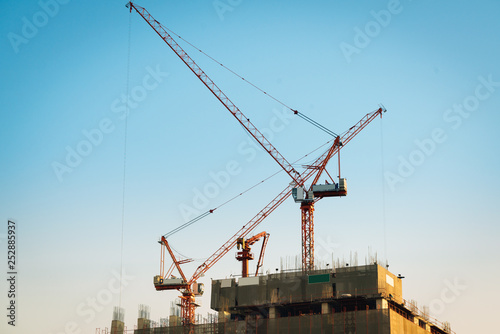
323	278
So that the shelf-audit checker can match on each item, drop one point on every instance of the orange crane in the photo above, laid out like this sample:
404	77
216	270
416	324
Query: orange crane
307	197
189	287
245	254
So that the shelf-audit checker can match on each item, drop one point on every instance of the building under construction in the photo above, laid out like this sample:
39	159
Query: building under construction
356	299
361	299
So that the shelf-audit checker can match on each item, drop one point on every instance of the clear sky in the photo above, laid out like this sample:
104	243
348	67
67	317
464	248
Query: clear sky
423	182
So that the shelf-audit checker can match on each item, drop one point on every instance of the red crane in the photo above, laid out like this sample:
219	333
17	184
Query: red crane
188	287
307	197
245	254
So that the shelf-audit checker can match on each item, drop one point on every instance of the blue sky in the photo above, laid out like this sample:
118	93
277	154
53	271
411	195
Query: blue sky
423	181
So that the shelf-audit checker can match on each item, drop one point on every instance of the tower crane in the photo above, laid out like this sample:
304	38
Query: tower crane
307	197
189	287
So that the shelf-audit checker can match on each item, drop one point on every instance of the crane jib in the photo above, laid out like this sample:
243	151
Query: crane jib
218	93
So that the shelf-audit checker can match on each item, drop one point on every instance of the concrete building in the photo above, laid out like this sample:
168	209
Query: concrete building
362	299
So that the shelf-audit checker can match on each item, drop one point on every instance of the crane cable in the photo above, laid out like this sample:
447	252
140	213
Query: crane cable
203	215
382	162
125	163
207	213
296	112
316	124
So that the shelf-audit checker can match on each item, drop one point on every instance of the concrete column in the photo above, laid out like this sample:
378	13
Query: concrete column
143	323
272	322
224	316
117	327
382	304
326	308
272	312
174	320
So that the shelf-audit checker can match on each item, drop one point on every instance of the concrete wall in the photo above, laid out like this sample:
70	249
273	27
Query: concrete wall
370	322
376	321
390	284
357	281
223	294
369	281
401	325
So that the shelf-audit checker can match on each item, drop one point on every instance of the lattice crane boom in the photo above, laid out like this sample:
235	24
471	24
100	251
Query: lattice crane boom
230	106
